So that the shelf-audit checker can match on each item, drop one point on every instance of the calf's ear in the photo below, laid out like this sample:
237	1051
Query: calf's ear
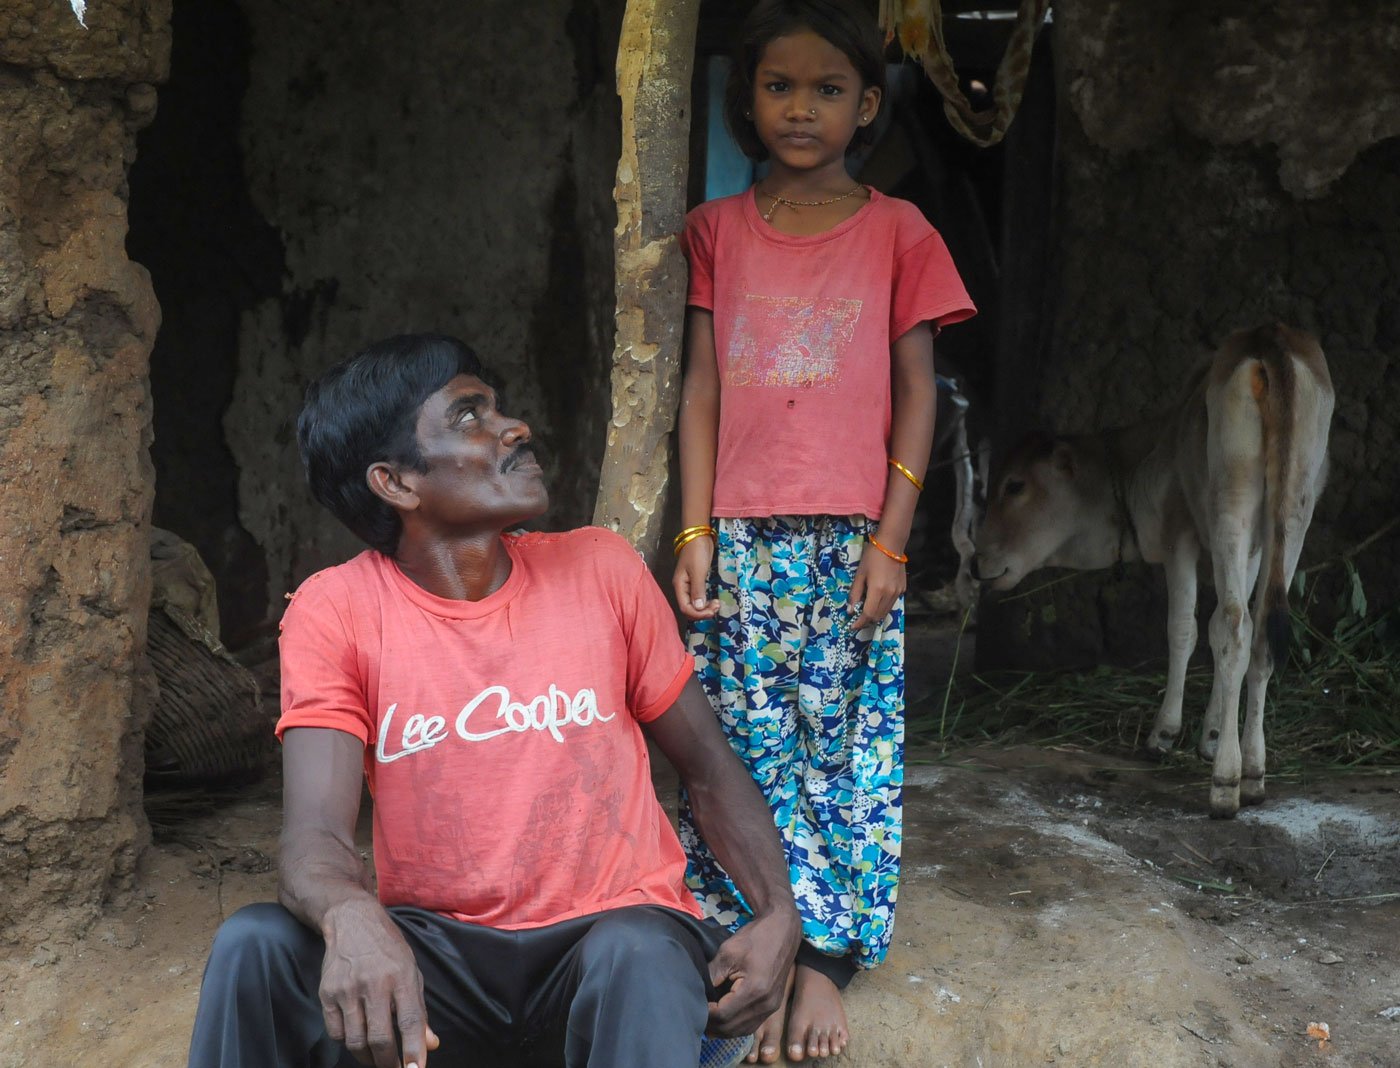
1062	456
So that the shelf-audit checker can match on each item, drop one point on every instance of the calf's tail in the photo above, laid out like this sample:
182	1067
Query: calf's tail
1274	385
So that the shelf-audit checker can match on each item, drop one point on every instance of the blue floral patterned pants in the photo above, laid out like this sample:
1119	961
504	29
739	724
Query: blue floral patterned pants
816	712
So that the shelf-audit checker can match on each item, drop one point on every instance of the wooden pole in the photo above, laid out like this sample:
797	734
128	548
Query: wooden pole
654	62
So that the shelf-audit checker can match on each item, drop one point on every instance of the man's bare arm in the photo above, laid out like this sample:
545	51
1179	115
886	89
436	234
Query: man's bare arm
737	825
371	989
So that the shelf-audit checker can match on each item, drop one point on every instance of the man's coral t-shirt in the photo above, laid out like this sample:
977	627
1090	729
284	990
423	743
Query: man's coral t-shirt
509	772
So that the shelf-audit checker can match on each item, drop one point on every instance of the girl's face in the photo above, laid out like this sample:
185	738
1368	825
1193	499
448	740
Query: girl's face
808	102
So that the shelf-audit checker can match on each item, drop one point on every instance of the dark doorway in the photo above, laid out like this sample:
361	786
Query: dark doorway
211	257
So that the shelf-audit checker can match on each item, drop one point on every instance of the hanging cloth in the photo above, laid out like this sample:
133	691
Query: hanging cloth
919	26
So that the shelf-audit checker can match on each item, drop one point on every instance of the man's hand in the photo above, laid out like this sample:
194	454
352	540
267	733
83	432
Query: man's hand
736	822
878	583
371	989
691	577
754	961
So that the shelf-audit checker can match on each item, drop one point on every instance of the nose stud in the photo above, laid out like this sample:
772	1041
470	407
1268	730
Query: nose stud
814	111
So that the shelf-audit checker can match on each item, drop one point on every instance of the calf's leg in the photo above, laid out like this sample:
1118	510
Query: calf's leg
1181	640
1261	664
1261	667
1231	637
1215	710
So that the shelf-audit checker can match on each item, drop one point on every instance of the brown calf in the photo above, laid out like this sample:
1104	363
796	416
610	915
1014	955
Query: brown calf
1233	472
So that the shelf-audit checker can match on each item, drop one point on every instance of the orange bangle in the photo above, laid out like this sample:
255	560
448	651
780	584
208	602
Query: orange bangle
898	558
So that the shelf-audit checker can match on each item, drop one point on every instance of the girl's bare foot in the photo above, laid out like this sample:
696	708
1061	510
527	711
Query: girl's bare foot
767	1038
816	1024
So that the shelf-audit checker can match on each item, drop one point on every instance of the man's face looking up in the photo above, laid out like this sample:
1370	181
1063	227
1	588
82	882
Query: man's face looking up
482	471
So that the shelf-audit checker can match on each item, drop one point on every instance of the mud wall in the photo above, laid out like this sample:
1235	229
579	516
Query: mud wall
77	320
432	166
1220	165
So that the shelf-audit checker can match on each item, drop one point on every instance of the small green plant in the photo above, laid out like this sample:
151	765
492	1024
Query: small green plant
1335	704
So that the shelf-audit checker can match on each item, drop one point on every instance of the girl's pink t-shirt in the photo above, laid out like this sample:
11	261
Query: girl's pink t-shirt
502	737
803	329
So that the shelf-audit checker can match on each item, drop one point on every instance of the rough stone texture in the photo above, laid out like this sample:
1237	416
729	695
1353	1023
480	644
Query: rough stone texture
434	166
653	76
1316	82
1189	135
77	320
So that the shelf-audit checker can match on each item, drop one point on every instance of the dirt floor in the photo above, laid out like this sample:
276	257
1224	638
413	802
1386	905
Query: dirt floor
1056	907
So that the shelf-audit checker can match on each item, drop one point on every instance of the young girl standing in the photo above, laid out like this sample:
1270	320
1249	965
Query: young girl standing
805	428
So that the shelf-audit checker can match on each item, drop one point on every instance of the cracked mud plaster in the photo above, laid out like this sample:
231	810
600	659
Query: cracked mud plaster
125	40
78	328
644	493
632	55
639	265
653	76
634	394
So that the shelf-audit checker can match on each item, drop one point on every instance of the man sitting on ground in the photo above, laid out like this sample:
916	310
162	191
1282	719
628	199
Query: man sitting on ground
493	690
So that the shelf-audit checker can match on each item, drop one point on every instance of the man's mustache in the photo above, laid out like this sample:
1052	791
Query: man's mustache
521	454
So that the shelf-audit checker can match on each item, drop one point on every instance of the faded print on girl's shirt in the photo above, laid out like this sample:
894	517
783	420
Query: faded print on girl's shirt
790	341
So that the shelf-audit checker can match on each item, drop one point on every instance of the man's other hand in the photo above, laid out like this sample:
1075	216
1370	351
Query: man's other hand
754	962
371	989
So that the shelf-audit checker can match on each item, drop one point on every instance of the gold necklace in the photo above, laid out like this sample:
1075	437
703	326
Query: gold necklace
776	199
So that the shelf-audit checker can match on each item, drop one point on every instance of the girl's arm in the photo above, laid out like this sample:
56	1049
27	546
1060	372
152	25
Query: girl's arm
699	430
879	579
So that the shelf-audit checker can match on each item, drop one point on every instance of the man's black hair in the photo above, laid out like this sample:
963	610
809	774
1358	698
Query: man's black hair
364	410
845	25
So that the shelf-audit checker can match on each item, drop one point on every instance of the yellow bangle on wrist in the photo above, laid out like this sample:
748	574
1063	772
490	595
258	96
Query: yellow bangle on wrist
918	483
689	534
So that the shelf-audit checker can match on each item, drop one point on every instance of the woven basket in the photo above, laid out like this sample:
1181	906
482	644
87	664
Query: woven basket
209	728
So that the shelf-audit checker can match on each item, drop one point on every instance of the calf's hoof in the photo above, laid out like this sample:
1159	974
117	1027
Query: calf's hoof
1210	742
1252	791
1224	800
1158	745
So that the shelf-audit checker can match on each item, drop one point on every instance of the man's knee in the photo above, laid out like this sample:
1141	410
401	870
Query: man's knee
646	944
641	994
258	938
258	1001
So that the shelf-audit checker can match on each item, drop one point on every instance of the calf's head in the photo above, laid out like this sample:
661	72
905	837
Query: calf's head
1033	512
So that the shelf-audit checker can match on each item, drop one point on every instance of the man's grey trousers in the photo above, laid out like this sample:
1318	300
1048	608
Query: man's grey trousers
623	988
